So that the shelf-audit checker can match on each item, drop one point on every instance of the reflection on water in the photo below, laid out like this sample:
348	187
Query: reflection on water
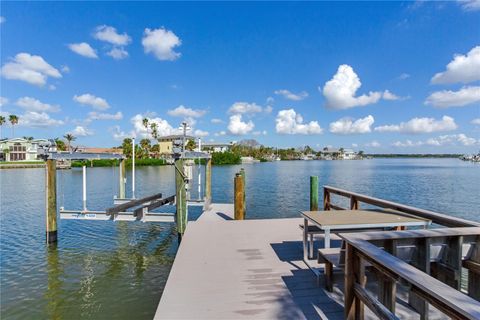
103	269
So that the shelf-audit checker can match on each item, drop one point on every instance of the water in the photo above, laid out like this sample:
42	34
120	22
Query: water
103	269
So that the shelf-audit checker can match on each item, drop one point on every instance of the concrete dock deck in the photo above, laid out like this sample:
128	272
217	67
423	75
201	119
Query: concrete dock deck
250	269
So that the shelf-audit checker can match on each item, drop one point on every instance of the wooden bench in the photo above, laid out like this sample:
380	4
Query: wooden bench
331	257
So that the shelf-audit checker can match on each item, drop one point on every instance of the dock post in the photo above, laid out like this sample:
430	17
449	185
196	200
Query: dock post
313	193
51	200
180	198
121	169
242	173
208	182
239	204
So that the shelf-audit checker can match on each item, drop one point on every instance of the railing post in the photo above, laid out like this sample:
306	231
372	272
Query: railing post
239	203
242	173
421	260
180	197
474	277
326	199
51	200
349	282
208	182
354	205
121	175
387	287
313	193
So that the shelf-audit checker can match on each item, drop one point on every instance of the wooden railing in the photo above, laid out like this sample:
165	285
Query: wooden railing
427	262
356	199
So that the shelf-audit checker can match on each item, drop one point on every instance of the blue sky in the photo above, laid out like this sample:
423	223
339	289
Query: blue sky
375	76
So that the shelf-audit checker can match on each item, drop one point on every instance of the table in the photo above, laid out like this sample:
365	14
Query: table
332	220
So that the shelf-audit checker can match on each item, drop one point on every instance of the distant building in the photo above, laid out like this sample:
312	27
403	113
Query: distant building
168	145
338	154
349	154
216	146
19	149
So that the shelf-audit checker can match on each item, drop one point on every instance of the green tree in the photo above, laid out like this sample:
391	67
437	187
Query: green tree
2	122
60	144
28	138
190	145
69	137
154	128
145	124
145	146
13	120
127	147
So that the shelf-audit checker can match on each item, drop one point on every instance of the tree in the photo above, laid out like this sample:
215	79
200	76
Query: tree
60	144
145	124
145	146
154	128
2	122
127	147
28	138
13	120
190	145
69	137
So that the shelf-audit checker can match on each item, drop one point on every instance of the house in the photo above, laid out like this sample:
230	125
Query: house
168	145
216	146
349	154
20	149
330	153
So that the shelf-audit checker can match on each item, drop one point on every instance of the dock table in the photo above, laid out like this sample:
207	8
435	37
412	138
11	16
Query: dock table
335	220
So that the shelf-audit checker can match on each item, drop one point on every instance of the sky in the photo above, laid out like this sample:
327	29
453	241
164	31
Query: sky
383	77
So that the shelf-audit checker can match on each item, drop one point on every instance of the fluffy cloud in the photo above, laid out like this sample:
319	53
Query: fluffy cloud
216	121
83	49
117	53
32	104
182	111
258	133
340	91
3	101
81	131
220	134
110	35
118	134
292	96
447	98
450	139
476	121
289	122
387	95
349	126
421	125
238	127
200	133
373	144
139	130
470	5
38	119
403	76
91	100
244	108
463	68
104	116
161	43
29	68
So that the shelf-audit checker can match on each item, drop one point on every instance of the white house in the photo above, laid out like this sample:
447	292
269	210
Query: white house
19	149
349	154
216	147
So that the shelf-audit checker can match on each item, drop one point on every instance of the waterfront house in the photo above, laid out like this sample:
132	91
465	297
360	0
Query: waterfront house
20	149
167	144
217	147
349	154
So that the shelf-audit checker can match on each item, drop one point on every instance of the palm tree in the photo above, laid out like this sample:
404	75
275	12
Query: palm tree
145	124
13	120
60	144
154	127
2	122
145	145
28	138
69	137
190	145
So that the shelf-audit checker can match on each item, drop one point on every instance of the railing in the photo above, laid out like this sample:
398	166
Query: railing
433	276
356	199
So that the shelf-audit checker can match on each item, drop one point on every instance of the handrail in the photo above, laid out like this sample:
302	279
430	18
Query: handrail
438	218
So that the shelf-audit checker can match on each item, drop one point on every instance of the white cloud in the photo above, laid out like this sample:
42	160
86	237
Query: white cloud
450	139
373	144
139	130
244	108
404	76
83	49
118	134
200	133
463	68
117	53
421	125
289	122
292	96
81	131
216	121
270	100
91	100
349	126
29	68
238	127
162	43
32	104
268	109
110	35
3	101
104	116
65	69
182	111
476	121
354	145
2	19
470	5
340	91
447	98
219	134
258	133
38	119
387	95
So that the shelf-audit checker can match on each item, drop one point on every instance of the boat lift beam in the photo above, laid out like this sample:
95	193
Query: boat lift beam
120	216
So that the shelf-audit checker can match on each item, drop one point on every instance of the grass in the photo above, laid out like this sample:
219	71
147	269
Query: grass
20	162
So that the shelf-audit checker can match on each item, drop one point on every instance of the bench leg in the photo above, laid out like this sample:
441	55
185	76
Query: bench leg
328	276
311	246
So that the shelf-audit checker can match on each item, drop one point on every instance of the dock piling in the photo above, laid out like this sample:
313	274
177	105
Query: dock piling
208	182
121	169
51	200
239	193
313	193
181	197
242	173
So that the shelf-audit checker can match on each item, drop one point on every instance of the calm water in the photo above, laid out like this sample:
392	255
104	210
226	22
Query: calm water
118	270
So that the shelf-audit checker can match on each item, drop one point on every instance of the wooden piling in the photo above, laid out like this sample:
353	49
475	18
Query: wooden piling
313	193
51	200
121	169
242	173
208	182
181	197
239	203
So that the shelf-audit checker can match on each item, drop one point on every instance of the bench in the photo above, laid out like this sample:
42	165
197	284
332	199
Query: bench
331	257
